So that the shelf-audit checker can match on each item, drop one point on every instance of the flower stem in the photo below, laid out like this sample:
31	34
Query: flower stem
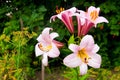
43	72
77	73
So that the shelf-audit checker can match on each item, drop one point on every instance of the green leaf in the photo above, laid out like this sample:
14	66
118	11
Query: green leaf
71	40
42	9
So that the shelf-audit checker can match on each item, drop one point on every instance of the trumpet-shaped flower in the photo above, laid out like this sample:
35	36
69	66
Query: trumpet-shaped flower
66	18
83	55
46	45
86	20
92	14
84	25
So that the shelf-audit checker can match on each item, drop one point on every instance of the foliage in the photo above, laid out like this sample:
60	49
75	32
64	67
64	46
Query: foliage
17	39
8	70
71	74
104	74
93	74
15	60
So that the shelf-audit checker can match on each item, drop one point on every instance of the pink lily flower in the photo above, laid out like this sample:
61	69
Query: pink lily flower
92	14
83	55
46	46
66	18
86	20
84	25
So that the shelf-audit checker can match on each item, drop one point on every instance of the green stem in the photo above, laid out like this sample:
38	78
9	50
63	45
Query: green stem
77	75
18	55
18	58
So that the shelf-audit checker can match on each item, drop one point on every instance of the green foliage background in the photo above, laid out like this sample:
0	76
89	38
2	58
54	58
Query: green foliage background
18	33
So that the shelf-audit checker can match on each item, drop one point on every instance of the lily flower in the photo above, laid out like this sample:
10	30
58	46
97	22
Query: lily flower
89	19
92	14
84	25
66	18
83	55
46	46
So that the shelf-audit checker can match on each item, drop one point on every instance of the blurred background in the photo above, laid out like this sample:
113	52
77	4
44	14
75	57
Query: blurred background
21	22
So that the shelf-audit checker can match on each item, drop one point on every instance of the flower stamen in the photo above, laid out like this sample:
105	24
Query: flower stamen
93	15
59	10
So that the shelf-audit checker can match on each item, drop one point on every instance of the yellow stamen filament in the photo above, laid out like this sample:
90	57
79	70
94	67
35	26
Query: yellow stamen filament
59	10
83	55
93	15
45	48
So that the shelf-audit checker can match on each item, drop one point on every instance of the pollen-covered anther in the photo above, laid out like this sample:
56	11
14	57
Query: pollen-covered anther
93	15
59	10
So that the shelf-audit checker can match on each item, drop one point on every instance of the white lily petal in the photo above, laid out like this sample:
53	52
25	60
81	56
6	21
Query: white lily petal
92	8
87	42
74	48
72	60
54	35
95	49
95	61
39	38
54	52
101	19
83	69
38	52
45	32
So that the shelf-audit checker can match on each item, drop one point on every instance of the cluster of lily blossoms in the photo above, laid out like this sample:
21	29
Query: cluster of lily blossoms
84	53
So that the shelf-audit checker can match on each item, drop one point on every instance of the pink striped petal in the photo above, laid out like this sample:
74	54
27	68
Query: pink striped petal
53	18
81	22
66	17
68	21
58	44
79	26
72	60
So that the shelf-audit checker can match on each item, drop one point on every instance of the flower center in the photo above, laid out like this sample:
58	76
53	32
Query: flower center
83	55
93	15
45	48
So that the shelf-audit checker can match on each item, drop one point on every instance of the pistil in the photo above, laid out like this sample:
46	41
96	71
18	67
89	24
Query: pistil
82	54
